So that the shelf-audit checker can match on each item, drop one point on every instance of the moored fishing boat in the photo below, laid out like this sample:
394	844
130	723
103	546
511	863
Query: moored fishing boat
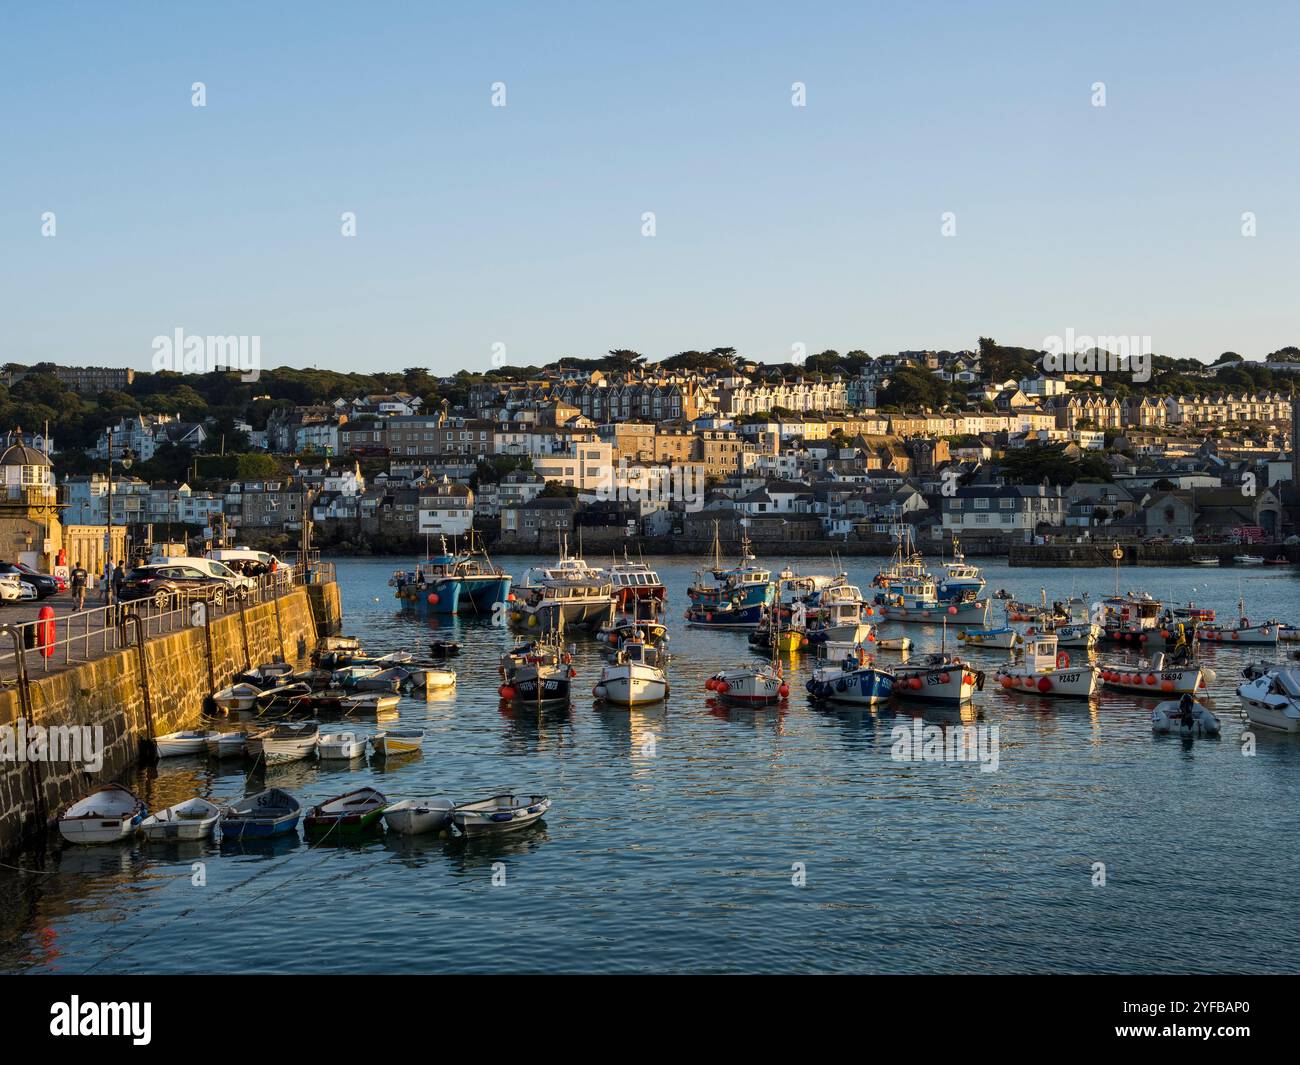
414	817
734	597
750	685
188	820
273	812
1248	560
635	582
1047	670
539	671
501	813
938	678
178	744
453	584
393	741
369	703
1156	675
916	602
636	676
348	814
961	581
1004	638
1264	633
1184	716
854	679
568	593
107	814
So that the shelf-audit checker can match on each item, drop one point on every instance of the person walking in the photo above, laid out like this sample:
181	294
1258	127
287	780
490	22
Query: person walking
78	579
108	581
119	575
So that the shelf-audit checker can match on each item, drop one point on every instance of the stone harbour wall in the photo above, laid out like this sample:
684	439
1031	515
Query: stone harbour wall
181	670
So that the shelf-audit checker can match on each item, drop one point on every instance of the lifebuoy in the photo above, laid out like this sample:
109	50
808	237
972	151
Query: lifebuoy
1062	660
46	631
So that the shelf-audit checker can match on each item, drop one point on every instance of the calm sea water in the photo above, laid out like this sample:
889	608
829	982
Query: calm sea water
677	834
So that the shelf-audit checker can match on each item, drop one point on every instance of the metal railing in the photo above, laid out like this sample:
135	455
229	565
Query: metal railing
88	634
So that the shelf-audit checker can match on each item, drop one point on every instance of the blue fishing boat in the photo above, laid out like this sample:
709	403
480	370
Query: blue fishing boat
917	602
735	597
450	584
855	680
961	580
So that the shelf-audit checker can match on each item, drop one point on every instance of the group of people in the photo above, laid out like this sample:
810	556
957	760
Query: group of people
110	582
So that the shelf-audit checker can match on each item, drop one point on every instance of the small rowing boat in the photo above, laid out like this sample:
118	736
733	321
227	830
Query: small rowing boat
340	746
398	741
188	820
273	812
226	744
501	813
414	817
350	813
177	744
284	743
105	815
237	697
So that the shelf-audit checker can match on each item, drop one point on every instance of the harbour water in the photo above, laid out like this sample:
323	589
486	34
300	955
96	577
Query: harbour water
697	838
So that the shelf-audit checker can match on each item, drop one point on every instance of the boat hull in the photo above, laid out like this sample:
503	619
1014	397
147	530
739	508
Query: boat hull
631	684
416	818
1068	683
866	686
1152	681
714	617
953	613
954	684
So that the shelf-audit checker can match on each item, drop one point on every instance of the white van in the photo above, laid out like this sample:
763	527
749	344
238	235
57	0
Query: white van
213	568
228	555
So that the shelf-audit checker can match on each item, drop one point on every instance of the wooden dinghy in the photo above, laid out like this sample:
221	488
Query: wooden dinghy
273	812
350	813
189	820
226	744
398	741
176	744
414	817
501	813
106	815
340	746
237	697
369	703
283	743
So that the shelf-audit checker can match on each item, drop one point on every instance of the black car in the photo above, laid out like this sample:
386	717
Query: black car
166	584
44	584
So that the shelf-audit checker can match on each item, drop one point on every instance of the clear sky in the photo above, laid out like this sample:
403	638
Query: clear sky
775	225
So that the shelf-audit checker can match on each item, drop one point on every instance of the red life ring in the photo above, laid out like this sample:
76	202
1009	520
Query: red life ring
46	631
1062	660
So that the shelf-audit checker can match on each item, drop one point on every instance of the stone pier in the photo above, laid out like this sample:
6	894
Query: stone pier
181	669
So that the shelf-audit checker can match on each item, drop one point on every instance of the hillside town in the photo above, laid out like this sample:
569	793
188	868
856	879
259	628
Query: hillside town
847	450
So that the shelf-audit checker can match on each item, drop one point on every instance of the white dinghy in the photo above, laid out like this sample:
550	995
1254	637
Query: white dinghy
340	746
106	815
501	813
176	744
226	744
188	820
237	697
414	817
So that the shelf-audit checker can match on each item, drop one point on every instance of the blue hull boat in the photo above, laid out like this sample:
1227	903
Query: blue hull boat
863	684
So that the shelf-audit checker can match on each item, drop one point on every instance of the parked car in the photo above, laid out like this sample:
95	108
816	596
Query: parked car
42	583
165	583
14	590
1183	541
237	557
237	581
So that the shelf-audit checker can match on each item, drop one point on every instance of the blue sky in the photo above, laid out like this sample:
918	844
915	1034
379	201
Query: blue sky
521	225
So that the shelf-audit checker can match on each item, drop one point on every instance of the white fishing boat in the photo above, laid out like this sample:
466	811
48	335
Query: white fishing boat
1248	560
939	678
750	685
340	746
415	817
837	618
1243	632
188	820
501	813
237	697
106	815
397	741
1047	670
1273	700
636	677
1288	633
1184	716
226	744
1002	639
1206	560
177	744
283	743
1156	675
